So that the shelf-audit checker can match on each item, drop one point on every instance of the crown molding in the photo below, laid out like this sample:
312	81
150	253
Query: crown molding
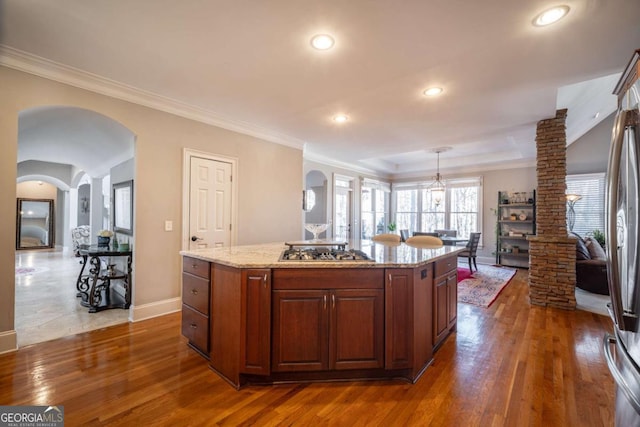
481	168
42	67
327	161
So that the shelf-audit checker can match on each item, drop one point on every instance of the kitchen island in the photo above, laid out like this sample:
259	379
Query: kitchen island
260	319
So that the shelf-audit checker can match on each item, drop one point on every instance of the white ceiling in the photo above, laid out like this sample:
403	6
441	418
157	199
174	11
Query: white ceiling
68	135
247	65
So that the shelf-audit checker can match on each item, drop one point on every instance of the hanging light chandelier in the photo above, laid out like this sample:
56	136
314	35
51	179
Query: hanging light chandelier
437	188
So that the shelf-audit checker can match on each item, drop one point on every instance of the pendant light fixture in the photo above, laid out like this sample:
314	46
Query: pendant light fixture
437	187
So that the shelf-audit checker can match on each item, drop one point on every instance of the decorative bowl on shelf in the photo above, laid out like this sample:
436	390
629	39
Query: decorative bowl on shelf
316	229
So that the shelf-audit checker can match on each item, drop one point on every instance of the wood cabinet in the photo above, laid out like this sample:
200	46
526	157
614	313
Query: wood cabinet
268	325
240	322
300	330
445	298
255	327
399	318
331	327
408	319
516	219
196	286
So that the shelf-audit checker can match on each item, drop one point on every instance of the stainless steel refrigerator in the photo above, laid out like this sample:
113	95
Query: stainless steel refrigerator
622	347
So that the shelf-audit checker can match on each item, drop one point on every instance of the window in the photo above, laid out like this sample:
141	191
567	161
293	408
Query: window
407	206
342	214
464	207
589	210
374	207
460	209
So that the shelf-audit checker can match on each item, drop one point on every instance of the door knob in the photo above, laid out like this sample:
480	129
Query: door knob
195	238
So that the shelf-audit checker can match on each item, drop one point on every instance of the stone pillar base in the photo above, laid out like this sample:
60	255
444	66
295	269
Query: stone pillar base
552	271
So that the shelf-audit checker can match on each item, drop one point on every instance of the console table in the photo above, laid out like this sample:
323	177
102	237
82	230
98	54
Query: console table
107	284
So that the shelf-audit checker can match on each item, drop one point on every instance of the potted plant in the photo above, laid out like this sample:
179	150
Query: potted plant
391	227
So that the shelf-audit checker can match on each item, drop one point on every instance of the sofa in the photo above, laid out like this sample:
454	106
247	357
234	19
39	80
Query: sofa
591	266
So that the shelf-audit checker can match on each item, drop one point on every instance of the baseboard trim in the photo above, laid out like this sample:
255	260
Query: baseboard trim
8	341
486	260
154	309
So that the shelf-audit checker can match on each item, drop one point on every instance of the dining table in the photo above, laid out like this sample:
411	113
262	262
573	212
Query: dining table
453	241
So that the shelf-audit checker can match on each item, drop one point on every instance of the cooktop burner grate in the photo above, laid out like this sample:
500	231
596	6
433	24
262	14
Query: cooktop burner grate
323	254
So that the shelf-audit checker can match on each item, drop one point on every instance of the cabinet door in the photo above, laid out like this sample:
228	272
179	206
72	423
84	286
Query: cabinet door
255	330
452	298
356	329
399	318
440	306
300	330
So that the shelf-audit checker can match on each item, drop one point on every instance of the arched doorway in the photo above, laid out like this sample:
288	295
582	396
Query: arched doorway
71	148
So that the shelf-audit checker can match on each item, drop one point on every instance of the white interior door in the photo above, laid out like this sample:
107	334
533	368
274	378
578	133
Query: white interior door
209	203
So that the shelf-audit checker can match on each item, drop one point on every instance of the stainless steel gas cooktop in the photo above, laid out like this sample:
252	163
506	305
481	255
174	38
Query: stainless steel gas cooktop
321	250
323	254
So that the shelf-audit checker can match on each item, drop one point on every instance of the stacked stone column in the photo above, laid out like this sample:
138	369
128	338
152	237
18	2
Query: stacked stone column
552	253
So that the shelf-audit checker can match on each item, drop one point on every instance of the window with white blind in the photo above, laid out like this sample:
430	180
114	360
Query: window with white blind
589	210
459	210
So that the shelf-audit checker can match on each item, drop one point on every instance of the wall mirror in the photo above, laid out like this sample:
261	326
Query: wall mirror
34	224
315	199
123	207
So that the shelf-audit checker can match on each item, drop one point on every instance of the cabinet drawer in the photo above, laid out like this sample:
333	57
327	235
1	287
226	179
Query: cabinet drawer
195	292
196	267
328	278
195	326
443	266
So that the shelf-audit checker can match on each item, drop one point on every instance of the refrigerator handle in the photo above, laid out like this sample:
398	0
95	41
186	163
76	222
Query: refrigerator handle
617	375
611	206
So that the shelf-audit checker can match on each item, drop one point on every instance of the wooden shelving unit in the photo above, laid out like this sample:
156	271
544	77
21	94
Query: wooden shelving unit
516	220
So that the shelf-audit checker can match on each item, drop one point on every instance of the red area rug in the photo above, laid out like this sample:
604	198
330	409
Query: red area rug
463	273
484	286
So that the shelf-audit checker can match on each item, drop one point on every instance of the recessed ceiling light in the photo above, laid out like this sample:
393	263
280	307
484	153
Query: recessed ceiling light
322	41
433	91
550	16
340	118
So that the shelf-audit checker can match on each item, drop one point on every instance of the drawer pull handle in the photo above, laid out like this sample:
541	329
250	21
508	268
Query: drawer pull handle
194	326
194	292
324	302
194	266
333	301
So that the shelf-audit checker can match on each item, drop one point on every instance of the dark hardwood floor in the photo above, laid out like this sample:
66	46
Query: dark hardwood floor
509	365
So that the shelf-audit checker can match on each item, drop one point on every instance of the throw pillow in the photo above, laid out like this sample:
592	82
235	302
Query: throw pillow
595	250
581	250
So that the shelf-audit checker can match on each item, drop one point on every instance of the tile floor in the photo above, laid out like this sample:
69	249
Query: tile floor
46	304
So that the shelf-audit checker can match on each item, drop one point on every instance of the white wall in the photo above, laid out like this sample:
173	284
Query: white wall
589	154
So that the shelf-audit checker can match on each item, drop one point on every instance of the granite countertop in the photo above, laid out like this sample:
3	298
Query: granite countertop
267	255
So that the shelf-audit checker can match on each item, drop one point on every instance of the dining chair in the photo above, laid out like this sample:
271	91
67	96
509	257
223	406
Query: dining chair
470	251
80	236
404	235
386	237
424	241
